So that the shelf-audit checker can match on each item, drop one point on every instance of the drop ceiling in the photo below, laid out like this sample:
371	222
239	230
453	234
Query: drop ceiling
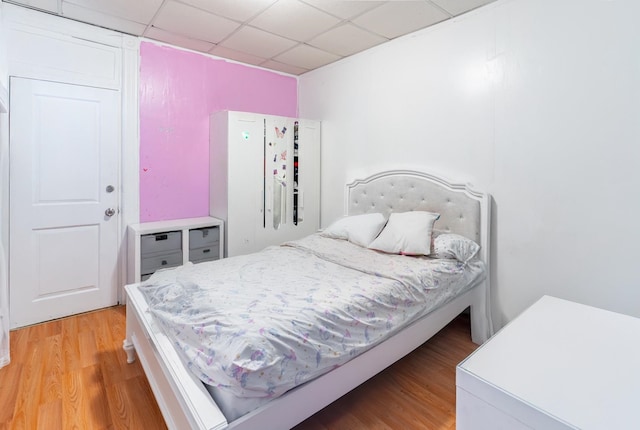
290	36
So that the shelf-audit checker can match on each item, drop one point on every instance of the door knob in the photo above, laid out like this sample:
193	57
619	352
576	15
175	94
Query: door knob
110	212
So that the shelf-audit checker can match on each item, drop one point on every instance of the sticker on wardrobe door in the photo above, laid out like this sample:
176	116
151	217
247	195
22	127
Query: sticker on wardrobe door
279	133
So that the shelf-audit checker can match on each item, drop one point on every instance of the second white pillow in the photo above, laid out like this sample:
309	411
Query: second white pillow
358	229
407	233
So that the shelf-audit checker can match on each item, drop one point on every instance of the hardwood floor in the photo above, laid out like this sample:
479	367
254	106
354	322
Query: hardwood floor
72	374
417	392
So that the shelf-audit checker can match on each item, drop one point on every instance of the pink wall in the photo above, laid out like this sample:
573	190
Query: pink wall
178	92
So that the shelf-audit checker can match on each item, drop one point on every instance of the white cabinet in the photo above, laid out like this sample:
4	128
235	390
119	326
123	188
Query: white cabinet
559	365
264	179
164	244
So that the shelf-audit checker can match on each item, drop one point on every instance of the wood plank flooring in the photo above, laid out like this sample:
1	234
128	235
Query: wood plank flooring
417	392
72	374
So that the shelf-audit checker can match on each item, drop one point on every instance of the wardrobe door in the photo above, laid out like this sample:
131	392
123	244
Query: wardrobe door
278	174
306	185
244	177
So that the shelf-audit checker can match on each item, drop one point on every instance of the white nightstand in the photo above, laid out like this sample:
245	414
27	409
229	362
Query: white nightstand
164	244
559	365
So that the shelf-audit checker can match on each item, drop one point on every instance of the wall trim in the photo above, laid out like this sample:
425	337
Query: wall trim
130	153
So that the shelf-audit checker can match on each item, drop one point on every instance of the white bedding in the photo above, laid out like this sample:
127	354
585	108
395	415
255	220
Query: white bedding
257	325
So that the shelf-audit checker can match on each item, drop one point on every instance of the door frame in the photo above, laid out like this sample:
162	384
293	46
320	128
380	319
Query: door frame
20	24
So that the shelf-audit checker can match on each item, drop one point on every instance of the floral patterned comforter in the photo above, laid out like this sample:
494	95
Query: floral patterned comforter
260	324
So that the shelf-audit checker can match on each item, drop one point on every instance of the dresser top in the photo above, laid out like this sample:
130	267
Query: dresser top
175	224
577	363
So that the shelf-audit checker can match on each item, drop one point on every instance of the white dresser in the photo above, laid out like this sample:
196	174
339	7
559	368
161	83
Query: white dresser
559	365
163	244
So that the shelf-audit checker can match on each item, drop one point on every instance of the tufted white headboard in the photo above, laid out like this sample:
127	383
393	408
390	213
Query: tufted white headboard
462	210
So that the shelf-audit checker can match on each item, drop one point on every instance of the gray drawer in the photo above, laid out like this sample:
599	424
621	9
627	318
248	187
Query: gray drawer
208	253
152	263
204	237
160	242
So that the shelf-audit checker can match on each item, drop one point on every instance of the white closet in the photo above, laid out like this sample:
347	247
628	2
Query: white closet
264	179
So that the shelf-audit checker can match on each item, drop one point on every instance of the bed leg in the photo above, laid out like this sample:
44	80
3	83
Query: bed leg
479	333
130	350
481	327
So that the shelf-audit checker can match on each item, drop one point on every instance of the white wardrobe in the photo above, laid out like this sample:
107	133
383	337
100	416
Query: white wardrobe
264	179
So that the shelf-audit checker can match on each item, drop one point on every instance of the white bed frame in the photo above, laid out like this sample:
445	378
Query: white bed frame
184	401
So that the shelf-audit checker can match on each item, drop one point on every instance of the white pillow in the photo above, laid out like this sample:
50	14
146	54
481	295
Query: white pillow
358	229
407	233
454	246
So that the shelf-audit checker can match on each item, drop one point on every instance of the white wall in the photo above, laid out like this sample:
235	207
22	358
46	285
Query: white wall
536	102
4	69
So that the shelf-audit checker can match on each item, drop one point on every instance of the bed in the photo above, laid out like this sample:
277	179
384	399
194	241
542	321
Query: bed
188	403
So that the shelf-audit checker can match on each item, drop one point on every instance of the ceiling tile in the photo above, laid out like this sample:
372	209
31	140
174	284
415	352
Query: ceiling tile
397	18
306	57
344	9
48	5
346	39
177	40
285	68
308	22
457	7
239	10
242	57
194	23
139	10
257	42
292	36
103	20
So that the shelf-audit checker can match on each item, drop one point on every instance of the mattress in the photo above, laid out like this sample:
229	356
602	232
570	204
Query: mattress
253	327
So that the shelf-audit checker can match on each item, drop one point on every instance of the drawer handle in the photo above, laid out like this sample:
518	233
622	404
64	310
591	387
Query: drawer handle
161	237
204	251
164	263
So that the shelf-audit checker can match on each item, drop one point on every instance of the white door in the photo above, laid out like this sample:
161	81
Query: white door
64	168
